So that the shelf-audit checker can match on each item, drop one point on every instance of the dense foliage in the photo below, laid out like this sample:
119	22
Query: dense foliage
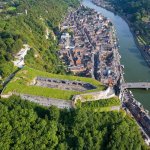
138	13
102	102
24	125
26	21
102	105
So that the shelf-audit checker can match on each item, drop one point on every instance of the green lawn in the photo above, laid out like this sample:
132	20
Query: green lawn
21	84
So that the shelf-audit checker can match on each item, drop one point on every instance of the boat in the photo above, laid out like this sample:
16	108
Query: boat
122	66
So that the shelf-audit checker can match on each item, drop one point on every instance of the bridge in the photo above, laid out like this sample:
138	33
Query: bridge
135	85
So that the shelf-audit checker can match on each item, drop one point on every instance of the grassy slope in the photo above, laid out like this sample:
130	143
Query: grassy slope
20	84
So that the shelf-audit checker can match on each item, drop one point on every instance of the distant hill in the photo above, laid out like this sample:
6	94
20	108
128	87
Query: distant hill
34	23
138	13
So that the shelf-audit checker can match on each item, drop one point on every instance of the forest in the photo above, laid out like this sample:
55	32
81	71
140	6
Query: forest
25	22
138	14
26	125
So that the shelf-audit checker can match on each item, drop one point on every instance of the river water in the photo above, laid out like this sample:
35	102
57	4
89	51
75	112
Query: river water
136	68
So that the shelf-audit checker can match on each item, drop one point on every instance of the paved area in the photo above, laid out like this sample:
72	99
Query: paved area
63	84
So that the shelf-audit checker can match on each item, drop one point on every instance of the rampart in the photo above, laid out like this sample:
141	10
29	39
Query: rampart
93	96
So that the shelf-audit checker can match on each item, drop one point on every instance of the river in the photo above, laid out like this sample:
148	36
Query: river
136	68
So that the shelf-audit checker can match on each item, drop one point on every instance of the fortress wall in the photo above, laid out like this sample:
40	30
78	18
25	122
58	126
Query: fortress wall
93	96
47	101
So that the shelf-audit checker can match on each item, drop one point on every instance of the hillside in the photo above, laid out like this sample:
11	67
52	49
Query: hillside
28	126
138	14
34	23
87	120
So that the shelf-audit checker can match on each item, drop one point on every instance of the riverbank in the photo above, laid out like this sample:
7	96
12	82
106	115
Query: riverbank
136	110
108	7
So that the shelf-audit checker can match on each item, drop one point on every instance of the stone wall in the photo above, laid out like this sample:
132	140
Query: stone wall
93	96
47	101
6	95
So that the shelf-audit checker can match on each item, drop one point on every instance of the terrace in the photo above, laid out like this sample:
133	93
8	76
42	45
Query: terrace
37	83
63	84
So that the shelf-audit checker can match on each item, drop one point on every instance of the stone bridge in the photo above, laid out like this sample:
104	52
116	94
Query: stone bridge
135	85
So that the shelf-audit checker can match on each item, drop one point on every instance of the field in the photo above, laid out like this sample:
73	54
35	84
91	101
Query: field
21	84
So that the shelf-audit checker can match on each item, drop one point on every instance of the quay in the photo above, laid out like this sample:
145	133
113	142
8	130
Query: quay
135	109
